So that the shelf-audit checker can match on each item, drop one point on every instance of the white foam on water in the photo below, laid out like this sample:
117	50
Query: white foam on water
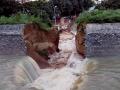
26	71
61	79
64	78
100	73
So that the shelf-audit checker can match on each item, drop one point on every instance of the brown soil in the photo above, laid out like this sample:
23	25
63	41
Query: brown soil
40	43
80	40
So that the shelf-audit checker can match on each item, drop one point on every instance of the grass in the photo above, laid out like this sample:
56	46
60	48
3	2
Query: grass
24	19
99	16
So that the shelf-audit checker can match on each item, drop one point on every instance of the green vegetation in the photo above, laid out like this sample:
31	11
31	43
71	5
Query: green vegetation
23	19
63	7
38	8
46	9
99	16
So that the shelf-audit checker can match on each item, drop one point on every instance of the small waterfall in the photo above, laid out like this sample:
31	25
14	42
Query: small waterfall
26	71
9	74
69	76
12	51
93	73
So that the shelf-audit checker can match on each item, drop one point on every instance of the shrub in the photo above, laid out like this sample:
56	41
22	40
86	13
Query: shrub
99	16
39	8
23	19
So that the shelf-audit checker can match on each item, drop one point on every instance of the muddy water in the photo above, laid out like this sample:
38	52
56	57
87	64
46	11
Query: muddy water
104	76
99	73
7	66
102	40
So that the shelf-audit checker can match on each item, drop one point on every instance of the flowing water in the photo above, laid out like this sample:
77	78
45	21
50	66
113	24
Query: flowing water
78	74
66	77
105	76
92	73
7	66
12	51
103	47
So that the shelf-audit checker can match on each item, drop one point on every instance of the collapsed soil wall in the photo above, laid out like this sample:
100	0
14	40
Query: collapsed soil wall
40	43
80	39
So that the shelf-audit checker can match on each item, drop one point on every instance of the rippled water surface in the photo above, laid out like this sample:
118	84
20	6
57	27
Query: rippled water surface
7	66
106	76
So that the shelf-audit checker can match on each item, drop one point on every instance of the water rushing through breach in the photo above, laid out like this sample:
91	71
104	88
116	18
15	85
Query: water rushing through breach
78	74
89	74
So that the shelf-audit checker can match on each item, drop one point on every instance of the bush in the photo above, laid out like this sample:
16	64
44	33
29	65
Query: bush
99	16
39	8
23	19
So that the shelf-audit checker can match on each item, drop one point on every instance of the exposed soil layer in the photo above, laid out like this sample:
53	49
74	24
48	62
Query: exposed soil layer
80	40
40	43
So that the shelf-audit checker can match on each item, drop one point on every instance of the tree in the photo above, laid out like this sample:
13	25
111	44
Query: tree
71	7
40	9
85	4
57	7
8	7
109	4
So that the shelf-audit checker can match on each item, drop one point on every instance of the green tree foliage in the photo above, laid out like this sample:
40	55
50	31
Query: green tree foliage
40	9
70	7
64	7
33	12
8	7
109	4
45	9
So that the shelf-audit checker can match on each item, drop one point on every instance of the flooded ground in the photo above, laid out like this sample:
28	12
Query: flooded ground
65	77
77	74
7	66
105	76
103	42
17	71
